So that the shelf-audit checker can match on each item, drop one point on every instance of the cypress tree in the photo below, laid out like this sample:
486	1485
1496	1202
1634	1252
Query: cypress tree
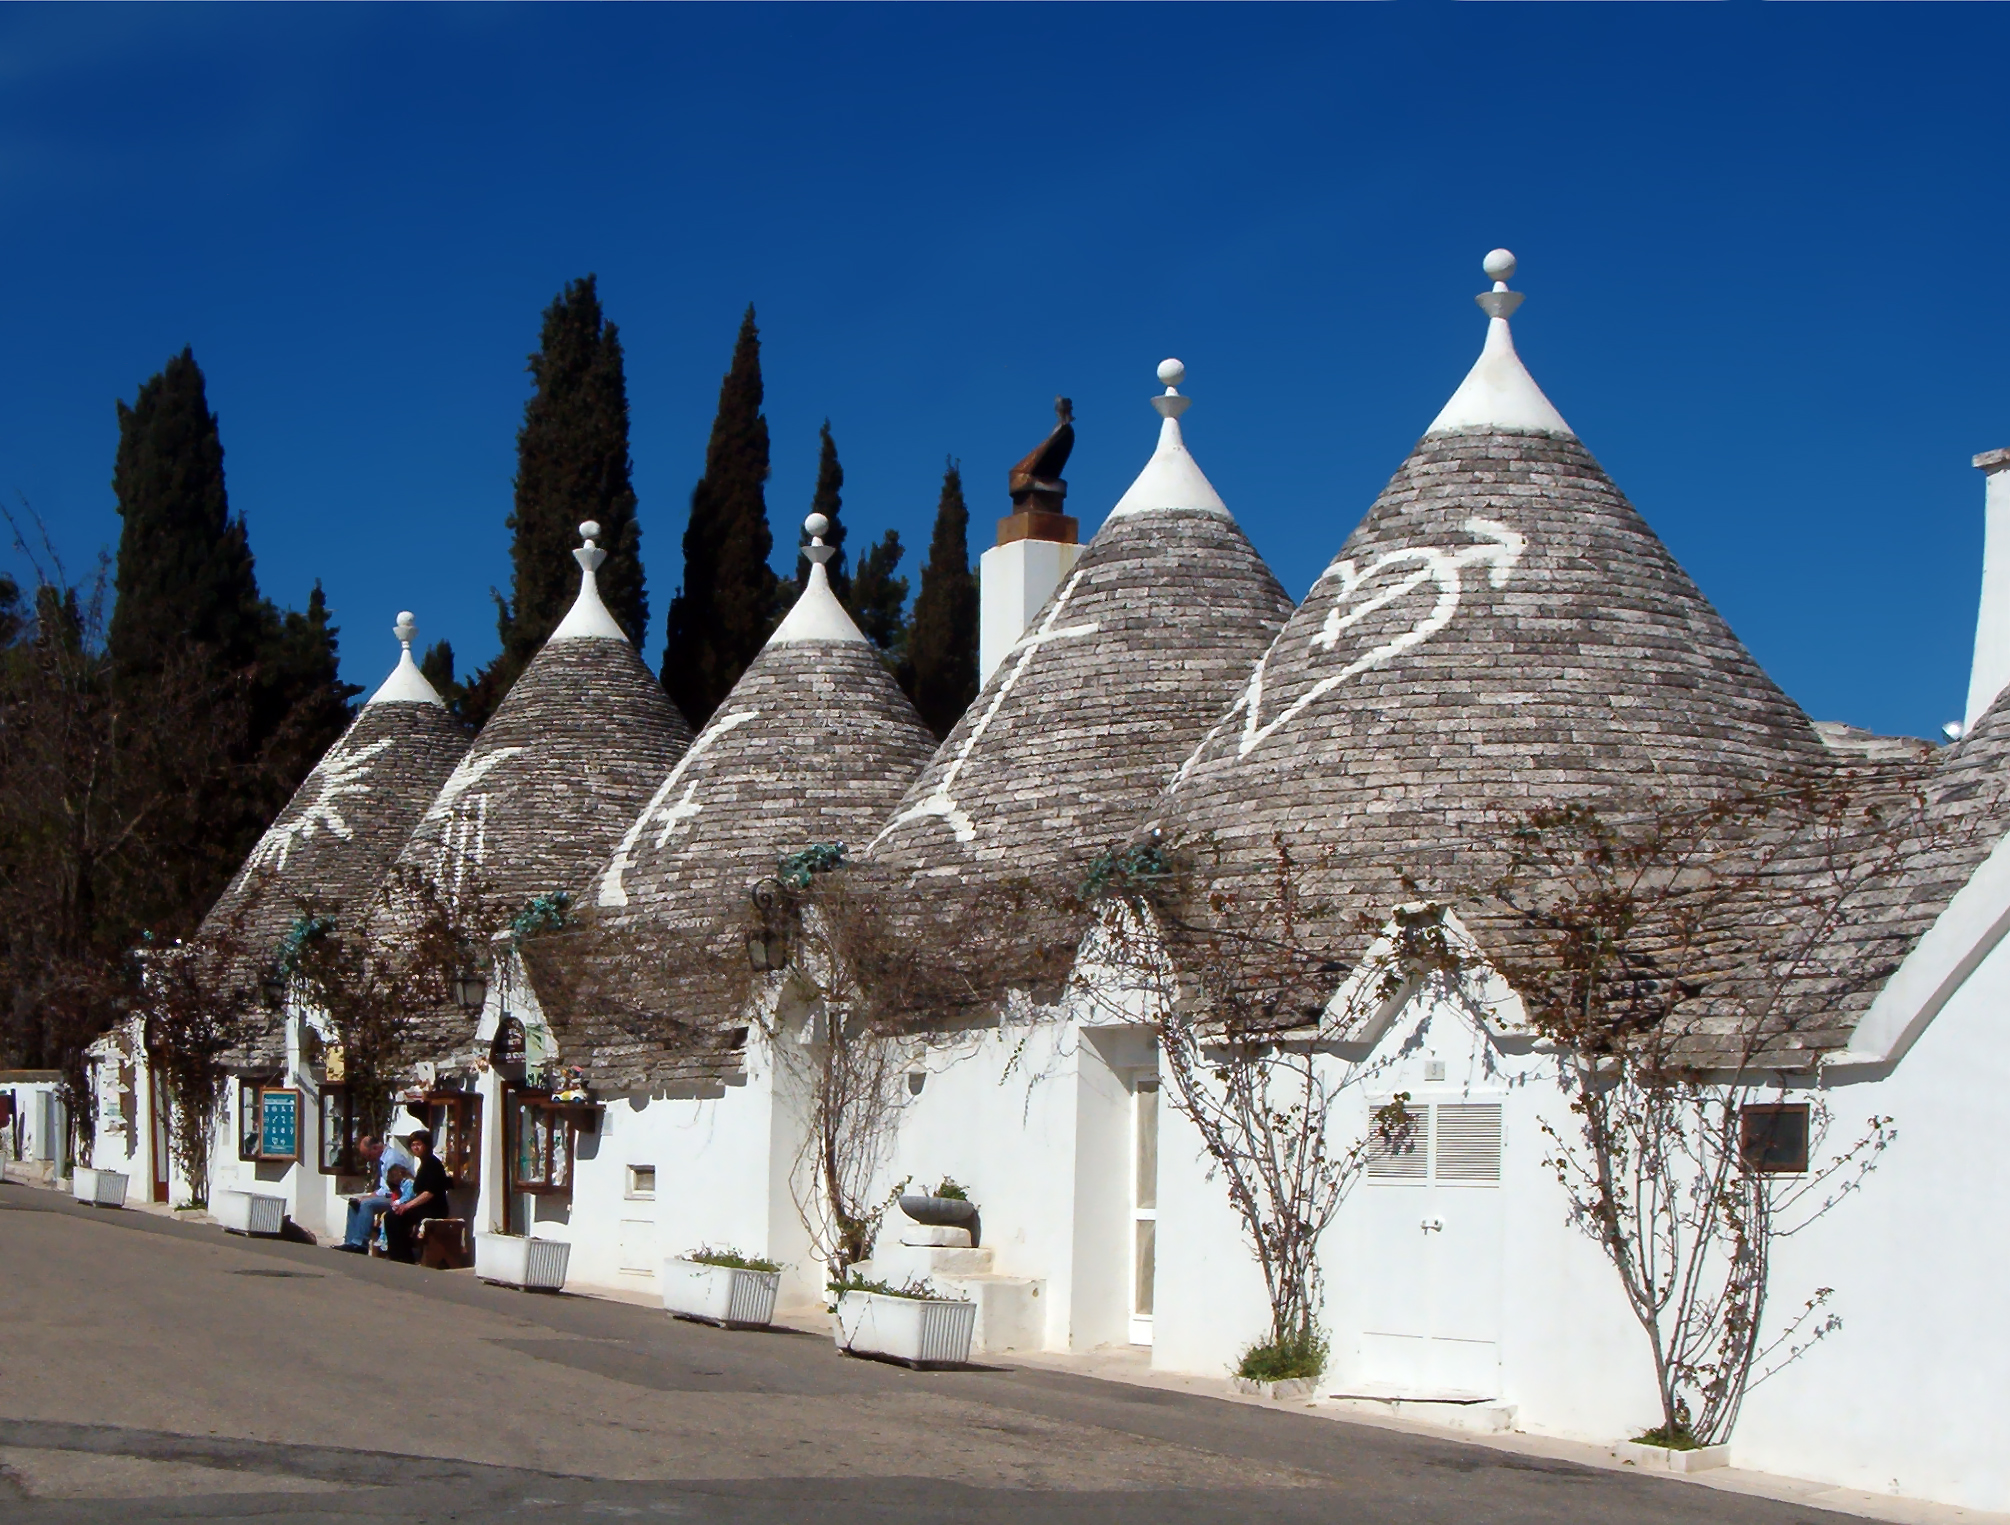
942	638
185	577
300	703
827	500
572	465
725	610
216	669
879	599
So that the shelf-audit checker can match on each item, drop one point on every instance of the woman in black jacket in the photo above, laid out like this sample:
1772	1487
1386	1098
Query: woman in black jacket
429	1200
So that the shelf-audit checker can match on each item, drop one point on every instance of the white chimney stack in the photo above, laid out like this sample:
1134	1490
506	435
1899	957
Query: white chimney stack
1991	670
1038	545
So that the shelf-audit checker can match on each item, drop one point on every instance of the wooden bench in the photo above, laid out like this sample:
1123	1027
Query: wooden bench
444	1244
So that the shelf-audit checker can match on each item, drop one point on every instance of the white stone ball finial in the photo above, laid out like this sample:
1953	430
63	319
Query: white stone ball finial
407	628
1171	372
1499	265
589	531
816	526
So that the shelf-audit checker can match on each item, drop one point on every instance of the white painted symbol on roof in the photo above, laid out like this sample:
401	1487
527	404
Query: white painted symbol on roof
1358	595
340	775
613	882
464	837
939	801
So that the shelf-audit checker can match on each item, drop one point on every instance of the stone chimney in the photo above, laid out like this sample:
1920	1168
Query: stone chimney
1991	668
1037	546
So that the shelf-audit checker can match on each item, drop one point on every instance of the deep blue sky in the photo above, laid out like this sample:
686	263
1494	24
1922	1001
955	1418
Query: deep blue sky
1764	248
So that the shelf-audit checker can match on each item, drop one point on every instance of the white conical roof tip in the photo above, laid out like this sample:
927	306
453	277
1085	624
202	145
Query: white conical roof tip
1498	392
588	619
817	616
1170	478
406	685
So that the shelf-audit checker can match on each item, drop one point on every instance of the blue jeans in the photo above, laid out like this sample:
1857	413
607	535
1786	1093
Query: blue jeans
363	1215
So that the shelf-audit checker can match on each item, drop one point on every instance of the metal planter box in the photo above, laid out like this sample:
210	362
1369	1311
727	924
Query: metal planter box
99	1188
513	1260
911	1330
249	1212
729	1295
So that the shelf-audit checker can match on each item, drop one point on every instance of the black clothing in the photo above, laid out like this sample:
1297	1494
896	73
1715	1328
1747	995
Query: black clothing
401	1229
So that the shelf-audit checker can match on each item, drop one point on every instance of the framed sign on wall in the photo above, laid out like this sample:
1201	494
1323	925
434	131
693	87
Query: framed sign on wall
279	1124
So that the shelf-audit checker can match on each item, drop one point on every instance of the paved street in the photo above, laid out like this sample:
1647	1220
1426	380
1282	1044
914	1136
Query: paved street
153	1370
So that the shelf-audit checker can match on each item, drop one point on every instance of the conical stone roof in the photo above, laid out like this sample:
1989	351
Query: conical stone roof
1501	631
561	768
814	745
345	824
1144	643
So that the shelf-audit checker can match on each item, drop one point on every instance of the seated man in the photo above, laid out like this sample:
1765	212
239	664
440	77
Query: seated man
380	1155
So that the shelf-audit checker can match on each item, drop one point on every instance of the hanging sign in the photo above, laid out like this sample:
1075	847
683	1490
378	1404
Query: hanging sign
508	1053
279	1125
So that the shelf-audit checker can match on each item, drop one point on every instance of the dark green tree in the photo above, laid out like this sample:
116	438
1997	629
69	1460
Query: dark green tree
724	612
185	576
437	668
257	688
572	466
827	500
879	598
942	637
299	702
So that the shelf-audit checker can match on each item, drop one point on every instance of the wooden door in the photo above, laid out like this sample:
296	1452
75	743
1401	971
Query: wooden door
158	1152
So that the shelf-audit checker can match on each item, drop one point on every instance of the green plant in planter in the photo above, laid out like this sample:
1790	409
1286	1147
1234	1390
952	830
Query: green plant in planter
1284	1360
732	1260
950	1190
921	1291
1670	1438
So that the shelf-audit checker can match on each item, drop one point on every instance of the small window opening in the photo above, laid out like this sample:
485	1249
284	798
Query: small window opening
1773	1138
641	1180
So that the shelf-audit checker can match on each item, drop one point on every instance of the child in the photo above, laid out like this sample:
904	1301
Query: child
398	1180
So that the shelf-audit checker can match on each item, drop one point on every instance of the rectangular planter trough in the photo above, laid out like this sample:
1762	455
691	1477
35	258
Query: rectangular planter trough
729	1295
512	1260
99	1188
249	1212
910	1330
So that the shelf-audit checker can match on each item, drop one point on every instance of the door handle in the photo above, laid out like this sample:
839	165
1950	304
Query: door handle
1434	1225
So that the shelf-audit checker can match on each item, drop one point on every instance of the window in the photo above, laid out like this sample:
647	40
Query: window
1773	1139
268	1122
456	1120
543	1136
1450	1143
341	1129
642	1182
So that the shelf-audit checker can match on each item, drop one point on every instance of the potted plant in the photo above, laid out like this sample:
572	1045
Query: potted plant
249	1212
99	1188
948	1206
521	1261
912	1324
722	1287
1282	1369
1669	1449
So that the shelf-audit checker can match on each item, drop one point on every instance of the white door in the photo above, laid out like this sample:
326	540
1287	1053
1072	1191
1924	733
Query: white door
1144	1203
1432	1274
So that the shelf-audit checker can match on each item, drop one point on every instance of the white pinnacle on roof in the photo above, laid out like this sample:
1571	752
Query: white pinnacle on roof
588	619
817	616
406	685
1498	392
1170	478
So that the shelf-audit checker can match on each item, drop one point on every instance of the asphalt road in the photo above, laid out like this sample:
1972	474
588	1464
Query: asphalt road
151	1370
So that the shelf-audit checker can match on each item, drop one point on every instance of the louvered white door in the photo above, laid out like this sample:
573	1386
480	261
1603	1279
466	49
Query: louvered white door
1432	1271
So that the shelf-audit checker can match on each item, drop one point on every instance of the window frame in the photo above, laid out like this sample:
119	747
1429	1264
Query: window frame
337	1100
1754	1151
